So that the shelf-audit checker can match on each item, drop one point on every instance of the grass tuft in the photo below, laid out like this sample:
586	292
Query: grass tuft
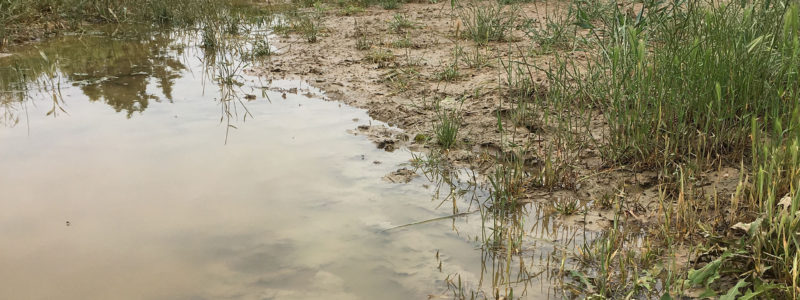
484	24
400	23
446	130
381	57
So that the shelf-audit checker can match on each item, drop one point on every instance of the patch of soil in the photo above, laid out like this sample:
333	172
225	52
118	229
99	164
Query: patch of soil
405	91
386	138
402	175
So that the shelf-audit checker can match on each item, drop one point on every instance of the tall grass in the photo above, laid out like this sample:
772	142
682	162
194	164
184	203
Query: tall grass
685	93
773	242
684	86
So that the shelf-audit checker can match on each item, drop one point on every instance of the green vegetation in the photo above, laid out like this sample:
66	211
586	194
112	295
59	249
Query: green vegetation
446	130
691	100
488	23
381	57
450	72
687	87
551	33
400	23
389	4
402	43
262	48
363	42
309	26
474	59
210	38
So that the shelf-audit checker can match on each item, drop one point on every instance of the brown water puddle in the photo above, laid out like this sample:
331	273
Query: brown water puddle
128	173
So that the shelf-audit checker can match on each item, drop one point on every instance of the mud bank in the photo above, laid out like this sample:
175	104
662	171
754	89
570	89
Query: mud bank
396	72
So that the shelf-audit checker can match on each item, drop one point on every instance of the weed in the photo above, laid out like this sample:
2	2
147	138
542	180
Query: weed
401	78
606	201
350	10
555	33
474	60
282	28
686	102
309	26
210	41
450	73
402	43
232	24
686	87
22	17
262	48
400	23
504	210
381	57
389	4
305	3
421	138
489	23
566	207
446	128
519	79
508	2
362	41
771	246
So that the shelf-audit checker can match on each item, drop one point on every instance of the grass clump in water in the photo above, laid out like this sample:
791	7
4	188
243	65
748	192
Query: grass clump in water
209	38
262	48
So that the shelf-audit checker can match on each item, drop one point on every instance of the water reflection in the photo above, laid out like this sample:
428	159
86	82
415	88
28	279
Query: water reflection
116	71
128	72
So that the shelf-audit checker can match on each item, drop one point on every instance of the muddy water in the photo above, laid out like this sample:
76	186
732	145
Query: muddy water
128	172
